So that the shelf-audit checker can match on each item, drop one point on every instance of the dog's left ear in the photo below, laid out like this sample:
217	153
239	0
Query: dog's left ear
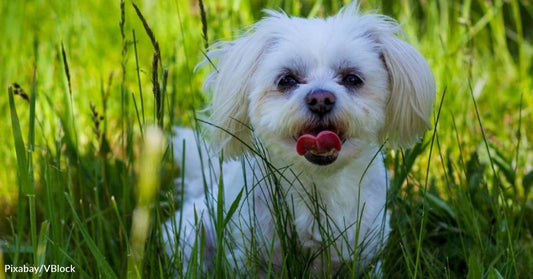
412	89
411	81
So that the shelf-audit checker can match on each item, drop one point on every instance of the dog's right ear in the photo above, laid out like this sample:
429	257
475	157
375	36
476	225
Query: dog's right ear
229	84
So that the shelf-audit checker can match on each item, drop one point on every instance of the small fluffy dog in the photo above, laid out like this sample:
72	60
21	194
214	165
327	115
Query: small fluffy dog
301	110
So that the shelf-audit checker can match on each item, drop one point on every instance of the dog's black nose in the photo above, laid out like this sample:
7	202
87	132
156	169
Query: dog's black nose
320	102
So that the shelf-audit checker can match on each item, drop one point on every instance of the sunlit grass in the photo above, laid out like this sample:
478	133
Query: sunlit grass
67	184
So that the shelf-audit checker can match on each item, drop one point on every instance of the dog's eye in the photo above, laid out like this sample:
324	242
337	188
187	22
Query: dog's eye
287	82
352	80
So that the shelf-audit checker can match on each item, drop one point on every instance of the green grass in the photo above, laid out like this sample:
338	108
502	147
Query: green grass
71	185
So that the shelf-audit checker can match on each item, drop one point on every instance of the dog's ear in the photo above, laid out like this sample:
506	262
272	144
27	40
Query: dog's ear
411	81
412	89
229	84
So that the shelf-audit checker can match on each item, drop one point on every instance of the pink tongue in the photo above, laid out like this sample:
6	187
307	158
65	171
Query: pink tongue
324	142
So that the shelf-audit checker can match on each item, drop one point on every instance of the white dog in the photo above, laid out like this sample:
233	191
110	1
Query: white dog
301	109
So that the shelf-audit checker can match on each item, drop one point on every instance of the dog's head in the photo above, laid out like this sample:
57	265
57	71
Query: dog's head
326	89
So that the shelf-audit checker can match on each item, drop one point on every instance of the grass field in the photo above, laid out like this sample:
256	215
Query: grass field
86	182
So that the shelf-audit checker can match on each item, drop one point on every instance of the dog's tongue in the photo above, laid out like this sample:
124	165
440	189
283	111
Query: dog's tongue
322	143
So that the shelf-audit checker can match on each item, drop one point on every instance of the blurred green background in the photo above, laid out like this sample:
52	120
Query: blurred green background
480	51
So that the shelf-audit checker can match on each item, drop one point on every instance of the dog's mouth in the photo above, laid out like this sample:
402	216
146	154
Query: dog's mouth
320	146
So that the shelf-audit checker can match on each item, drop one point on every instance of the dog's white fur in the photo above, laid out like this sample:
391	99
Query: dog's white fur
393	106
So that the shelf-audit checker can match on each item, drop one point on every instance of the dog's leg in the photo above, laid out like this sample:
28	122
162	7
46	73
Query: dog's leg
182	233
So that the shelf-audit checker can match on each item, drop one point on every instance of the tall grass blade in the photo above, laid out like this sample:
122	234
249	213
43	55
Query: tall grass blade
156	64
22	177
141	128
161	108
203	17
147	28
138	76
424	193
40	253
66	68
30	174
20	149
101	262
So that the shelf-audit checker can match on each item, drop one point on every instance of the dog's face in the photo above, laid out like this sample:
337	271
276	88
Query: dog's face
314	77
321	91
